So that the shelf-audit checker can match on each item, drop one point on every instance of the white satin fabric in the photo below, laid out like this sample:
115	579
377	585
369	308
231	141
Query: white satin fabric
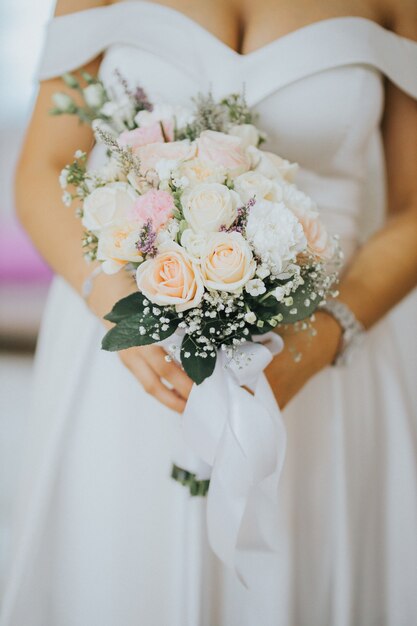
103	535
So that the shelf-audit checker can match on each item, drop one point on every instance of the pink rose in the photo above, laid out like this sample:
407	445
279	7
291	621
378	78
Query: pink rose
155	205
150	154
224	150
171	278
146	135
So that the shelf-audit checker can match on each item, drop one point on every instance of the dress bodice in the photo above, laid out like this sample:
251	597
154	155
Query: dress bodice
318	90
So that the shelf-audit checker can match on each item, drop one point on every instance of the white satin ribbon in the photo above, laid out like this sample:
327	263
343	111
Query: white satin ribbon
238	440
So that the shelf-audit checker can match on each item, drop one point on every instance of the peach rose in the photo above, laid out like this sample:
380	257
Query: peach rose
319	242
146	135
227	262
150	154
171	278
223	150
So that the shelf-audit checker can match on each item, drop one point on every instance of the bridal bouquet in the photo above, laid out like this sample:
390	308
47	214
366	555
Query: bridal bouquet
222	243
224	248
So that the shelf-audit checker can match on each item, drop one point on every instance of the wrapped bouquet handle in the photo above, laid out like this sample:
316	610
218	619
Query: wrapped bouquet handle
237	437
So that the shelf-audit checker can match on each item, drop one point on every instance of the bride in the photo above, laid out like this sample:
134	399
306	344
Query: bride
103	534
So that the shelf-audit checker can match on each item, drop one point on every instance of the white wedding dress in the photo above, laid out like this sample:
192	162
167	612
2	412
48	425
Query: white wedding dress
104	536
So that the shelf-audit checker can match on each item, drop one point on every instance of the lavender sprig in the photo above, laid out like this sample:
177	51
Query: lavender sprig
240	223
138	97
128	161
147	240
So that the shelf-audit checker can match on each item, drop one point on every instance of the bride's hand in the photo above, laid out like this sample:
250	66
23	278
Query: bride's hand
285	375
148	365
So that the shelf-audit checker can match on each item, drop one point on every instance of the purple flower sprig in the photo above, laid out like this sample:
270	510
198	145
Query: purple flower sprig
141	99
138	97
239	225
147	240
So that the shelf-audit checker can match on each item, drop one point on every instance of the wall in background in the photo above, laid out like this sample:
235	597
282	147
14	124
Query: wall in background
23	276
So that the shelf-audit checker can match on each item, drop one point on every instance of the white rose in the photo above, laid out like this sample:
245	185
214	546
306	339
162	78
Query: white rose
106	204
248	133
94	95
209	206
255	185
227	263
199	171
275	233
117	246
193	242
271	165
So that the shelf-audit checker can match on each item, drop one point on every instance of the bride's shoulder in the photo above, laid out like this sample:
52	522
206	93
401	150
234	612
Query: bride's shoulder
63	7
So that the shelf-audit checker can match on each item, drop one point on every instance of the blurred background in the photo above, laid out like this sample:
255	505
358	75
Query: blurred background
24	278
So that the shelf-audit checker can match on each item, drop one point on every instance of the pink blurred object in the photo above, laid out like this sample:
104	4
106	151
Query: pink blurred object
19	261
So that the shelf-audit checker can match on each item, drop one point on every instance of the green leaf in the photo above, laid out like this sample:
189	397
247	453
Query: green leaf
126	333
126	307
302	308
198	368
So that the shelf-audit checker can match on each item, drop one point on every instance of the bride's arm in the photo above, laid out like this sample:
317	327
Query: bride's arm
385	269
56	232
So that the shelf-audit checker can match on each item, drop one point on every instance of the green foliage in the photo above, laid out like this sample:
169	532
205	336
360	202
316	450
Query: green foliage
126	307
129	317
197	367
300	306
190	480
237	109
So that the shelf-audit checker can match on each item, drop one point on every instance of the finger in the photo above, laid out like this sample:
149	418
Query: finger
171	372
153	385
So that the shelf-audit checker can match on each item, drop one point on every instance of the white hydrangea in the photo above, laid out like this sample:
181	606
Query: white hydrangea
295	199
275	233
194	243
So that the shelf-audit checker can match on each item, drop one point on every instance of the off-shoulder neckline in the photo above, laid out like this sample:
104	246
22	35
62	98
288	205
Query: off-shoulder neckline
261	50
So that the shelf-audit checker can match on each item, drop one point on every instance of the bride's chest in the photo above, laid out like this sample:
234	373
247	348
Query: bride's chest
318	119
